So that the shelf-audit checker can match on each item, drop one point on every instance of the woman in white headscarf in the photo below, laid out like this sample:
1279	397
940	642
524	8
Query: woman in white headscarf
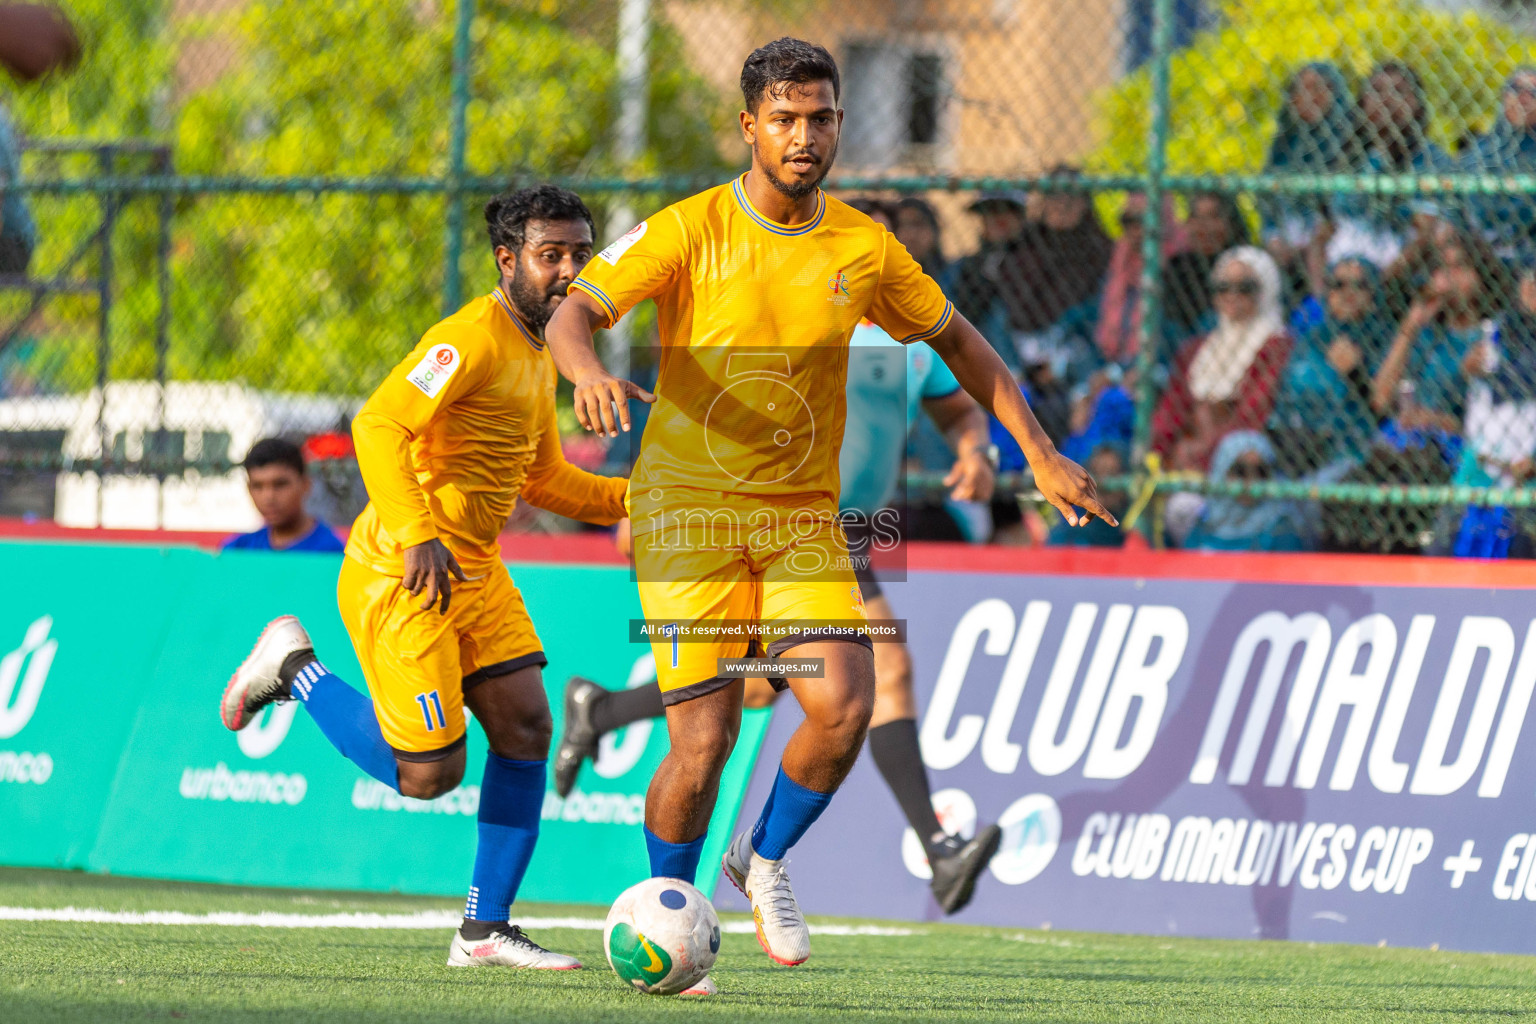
1226	380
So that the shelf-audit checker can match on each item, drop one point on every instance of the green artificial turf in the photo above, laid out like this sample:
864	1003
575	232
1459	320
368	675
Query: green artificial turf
56	971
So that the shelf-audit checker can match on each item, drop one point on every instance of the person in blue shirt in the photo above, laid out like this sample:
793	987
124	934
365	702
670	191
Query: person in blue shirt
279	484
888	383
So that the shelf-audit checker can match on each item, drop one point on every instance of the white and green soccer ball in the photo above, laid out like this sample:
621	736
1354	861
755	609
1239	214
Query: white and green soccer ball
662	936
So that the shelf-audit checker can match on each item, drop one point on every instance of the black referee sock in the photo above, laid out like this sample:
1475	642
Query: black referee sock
895	750
479	931
618	708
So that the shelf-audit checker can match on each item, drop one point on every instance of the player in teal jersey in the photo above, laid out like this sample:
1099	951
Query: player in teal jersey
888	385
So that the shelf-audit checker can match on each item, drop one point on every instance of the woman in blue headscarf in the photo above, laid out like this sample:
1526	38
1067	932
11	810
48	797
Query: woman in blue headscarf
1248	524
1312	128
1390	136
1323	415
1508	222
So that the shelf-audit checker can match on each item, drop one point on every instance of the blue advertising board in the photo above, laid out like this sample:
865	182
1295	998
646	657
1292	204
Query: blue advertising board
1330	762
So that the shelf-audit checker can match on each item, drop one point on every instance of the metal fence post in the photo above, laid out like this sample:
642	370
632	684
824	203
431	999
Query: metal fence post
1152	241
453	285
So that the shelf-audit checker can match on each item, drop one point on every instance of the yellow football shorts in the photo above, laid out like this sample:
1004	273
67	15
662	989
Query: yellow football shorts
418	663
696	597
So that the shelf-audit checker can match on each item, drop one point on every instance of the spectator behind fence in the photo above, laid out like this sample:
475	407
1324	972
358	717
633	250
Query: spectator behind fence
1215	225
1312	128
1227	379
877	210
1323	414
1054	266
917	228
1508	222
279	484
1247	523
1420	387
1389	137
975	281
1499	434
1118	332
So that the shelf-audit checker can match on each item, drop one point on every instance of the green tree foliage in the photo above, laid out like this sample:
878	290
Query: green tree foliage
305	291
1226	86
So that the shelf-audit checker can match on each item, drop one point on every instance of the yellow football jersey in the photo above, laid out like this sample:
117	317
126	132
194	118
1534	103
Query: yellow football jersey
754	319
456	432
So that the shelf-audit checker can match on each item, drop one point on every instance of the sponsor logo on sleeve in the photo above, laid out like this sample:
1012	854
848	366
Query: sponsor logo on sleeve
440	363
621	245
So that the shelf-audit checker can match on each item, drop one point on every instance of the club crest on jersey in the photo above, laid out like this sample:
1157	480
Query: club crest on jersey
440	363
838	286
621	245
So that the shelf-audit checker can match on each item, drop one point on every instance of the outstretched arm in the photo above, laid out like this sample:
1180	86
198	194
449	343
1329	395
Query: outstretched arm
599	394
559	487
982	374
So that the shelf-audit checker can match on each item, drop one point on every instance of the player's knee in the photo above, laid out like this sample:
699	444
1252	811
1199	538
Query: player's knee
705	755
847	717
536	730
428	781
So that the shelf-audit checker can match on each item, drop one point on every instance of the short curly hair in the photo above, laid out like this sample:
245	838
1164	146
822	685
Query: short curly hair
507	215
786	61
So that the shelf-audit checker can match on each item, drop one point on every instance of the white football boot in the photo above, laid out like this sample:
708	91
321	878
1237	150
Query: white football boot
258	681
703	987
781	928
507	946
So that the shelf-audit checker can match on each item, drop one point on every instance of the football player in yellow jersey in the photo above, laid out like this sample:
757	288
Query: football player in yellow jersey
758	287
456	434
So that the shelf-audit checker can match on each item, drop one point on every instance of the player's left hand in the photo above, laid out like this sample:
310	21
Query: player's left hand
1066	484
971	478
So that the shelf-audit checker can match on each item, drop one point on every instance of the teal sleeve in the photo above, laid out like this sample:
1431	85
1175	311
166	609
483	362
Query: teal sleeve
940	380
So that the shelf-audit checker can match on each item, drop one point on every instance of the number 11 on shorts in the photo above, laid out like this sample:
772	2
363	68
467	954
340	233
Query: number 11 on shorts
429	704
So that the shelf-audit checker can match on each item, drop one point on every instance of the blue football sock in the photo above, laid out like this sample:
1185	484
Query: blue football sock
673	860
790	810
347	719
511	797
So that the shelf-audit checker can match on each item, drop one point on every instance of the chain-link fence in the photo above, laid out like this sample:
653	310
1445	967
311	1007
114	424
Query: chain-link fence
1269	265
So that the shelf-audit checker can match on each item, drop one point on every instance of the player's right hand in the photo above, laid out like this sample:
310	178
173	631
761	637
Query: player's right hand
596	397
427	568
1066	484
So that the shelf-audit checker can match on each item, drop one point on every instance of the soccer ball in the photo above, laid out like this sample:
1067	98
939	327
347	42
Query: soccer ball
662	936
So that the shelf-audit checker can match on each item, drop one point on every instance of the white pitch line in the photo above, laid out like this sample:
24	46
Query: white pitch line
425	919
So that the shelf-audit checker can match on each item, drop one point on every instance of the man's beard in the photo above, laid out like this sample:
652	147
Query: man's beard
795	189
530	301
